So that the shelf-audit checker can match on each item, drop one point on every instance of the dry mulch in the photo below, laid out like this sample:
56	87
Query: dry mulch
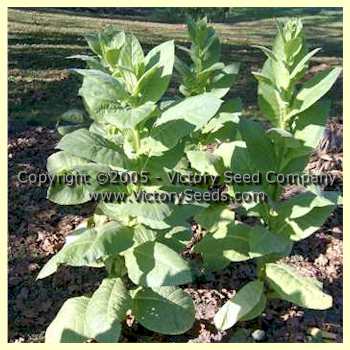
37	229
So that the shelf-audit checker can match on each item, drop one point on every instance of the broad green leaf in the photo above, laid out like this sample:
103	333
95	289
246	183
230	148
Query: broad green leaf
223	80
257	310
165	310
205	162
182	68
215	216
94	42
213	68
69	324
159	64
66	129
268	52
232	154
150	214
246	299
63	163
115	266
335	197
261	78
237	159
74	179
112	238
228	243
268	97
303	227
153	264
212	49
111	37
205	49
228	114
293	287
84	144
63	194
281	74
302	204
72	254
132	58
107	309
196	110
302	215
90	246
259	146
176	238
313	90
130	118
101	92
143	234
111	41
283	138
182	119
171	160
263	242
310	124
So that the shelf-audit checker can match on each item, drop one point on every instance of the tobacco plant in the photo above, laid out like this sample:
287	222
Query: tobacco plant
202	71
128	127
292	103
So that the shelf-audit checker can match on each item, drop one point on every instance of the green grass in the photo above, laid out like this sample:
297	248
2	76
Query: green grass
40	88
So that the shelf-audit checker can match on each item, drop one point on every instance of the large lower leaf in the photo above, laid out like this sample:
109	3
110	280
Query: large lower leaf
74	179
166	310
177	238
215	216
291	286
61	162
106	309
101	92
205	162
263	242
84	144
69	324
257	310
223	127
153	264
259	146
62	194
302	215
90	246
228	243
64	163
150	214
246	299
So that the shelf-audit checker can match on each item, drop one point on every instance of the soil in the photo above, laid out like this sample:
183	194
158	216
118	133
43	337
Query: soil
37	229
